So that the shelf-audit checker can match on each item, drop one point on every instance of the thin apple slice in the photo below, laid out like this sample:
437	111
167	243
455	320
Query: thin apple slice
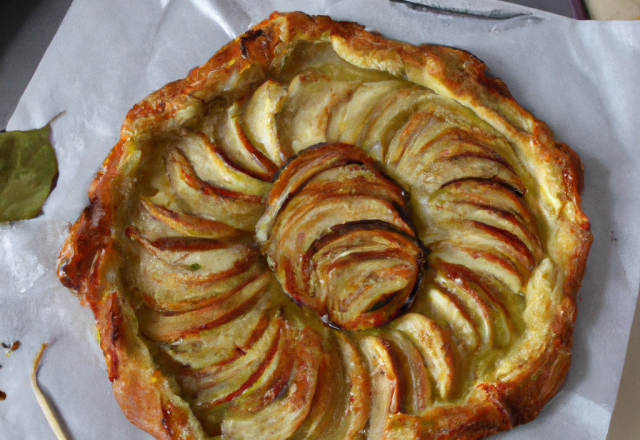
448	311
306	112
189	224
282	417
295	176
234	142
266	339
235	209
323	405
436	349
195	296
512	306
183	252
384	199
356	408
415	389
386	119
370	239
352	179
479	261
170	328
275	378
365	173
212	166
196	266
341	404
176	288
318	221
362	284
151	227
260	120
219	383
502	325
411	135
385	400
468	286
483	238
473	304
436	114
355	187
223	343
513	230
505	243
491	204
455	155
316	218
347	121
475	167
193	272
486	193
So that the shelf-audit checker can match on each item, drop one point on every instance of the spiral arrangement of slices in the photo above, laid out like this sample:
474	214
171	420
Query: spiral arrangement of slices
338	239
324	234
337	234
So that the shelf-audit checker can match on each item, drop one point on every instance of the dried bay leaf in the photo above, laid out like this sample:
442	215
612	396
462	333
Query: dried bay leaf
28	167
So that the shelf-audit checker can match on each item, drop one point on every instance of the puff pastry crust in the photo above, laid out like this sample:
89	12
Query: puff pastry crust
414	276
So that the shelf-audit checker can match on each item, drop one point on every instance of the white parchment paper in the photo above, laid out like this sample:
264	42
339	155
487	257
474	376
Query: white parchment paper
580	77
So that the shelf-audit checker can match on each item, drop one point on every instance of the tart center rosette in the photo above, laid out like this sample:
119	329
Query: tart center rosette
338	238
436	303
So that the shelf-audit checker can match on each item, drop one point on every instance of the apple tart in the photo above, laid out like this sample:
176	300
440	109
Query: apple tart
321	233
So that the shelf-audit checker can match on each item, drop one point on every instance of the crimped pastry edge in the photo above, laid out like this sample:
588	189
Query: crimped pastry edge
86	262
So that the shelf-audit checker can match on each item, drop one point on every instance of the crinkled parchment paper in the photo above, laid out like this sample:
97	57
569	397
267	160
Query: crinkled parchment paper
579	77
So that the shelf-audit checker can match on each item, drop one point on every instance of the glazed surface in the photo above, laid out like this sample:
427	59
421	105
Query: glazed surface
415	277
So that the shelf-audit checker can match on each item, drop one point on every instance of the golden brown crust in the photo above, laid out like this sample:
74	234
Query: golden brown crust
150	398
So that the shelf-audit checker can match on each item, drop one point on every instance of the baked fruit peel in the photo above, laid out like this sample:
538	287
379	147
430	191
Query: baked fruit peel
412	276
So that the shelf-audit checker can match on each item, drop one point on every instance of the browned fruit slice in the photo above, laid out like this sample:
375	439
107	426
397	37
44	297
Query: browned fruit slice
212	166
182	296
436	349
455	155
347	122
240	150
324	403
170	328
415	389
490	204
283	416
222	343
479	261
219	383
197	274
356	407
360	286
208	201
385	387
385	120
188	224
296	174
260	121
275	378
304	120
480	302
448	311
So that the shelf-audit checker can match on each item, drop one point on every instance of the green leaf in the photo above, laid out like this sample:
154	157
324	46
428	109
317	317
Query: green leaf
28	166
